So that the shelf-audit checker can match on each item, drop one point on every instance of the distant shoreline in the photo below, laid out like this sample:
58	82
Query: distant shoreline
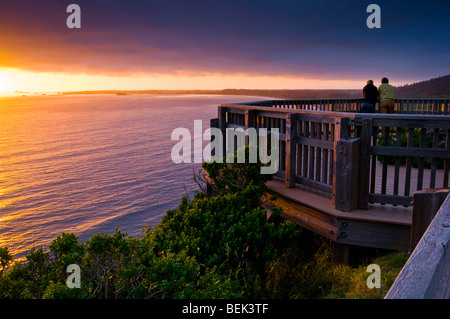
433	88
283	94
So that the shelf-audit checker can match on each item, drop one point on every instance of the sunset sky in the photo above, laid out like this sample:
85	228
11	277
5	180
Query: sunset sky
209	44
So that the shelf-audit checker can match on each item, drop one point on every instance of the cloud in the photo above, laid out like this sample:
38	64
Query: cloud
278	38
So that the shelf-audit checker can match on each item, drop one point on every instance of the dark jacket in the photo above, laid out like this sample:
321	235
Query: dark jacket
370	93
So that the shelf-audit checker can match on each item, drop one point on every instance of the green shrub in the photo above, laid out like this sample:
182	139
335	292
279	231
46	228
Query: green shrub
233	177
220	246
211	247
5	259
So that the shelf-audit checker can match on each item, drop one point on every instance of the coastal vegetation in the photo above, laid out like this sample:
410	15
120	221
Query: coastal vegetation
433	88
220	244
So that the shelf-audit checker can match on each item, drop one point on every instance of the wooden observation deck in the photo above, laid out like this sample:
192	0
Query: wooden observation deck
351	176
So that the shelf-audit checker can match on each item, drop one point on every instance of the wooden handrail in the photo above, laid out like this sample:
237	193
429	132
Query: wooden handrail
437	106
426	273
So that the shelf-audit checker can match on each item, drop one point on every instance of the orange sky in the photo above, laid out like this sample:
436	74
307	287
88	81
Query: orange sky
15	79
147	44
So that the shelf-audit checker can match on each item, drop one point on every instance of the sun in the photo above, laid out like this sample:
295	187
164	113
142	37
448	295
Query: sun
3	80
6	81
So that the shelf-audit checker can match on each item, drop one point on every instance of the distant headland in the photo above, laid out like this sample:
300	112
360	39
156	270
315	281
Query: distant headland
282	94
434	88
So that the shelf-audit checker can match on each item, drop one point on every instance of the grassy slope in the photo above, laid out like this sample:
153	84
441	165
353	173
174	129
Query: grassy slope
351	283
307	271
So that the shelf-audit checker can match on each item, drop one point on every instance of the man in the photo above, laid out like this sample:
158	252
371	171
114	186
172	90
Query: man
386	93
370	93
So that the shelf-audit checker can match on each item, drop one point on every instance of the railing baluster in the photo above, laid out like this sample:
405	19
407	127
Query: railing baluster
373	171
299	147
311	151
386	132
409	163
421	160
291	130
305	149
324	165
318	151
433	160
364	163
397	160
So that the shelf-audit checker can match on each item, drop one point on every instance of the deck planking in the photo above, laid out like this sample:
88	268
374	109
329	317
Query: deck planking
381	226
414	176
376	213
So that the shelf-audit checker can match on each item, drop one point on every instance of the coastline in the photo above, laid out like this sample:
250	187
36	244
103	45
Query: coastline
278	93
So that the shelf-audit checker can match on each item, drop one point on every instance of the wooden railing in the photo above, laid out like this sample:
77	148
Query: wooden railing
402	106
426	274
354	158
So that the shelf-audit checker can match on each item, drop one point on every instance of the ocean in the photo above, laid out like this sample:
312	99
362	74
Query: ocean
88	164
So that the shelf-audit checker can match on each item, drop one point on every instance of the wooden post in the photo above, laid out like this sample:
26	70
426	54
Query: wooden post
223	127
249	118
249	122
364	163
339	132
341	125
346	186
213	123
291	143
340	253
426	204
346	158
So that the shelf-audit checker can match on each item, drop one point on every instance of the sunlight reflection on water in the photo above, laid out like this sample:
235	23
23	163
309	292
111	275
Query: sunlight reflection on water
90	163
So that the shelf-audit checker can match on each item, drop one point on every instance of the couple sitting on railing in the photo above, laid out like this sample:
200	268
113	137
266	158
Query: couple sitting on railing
385	94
